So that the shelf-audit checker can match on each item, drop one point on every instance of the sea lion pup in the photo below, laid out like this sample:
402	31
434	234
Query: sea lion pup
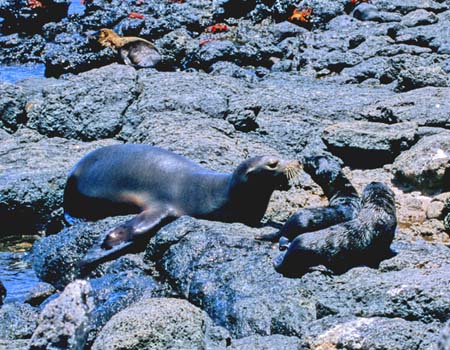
136	52
344	201
161	186
364	240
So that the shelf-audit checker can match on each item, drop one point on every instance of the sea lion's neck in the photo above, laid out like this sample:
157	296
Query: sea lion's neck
229	198
246	201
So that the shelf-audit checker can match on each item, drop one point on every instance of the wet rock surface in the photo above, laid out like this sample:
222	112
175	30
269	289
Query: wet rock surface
367	82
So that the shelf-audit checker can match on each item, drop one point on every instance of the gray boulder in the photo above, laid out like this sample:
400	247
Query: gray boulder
85	107
156	323
418	77
273	342
118	289
369	145
184	92
63	321
12	106
419	18
426	166
426	106
17	321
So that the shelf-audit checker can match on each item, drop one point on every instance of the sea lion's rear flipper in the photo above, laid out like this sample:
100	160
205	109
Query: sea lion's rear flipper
129	237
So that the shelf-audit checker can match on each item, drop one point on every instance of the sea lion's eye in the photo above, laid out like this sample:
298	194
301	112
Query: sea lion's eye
272	164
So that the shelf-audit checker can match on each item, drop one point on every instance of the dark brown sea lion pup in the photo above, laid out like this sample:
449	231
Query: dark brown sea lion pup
162	186
136	52
364	240
344	201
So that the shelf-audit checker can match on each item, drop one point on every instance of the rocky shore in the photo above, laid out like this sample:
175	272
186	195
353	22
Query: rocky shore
364	81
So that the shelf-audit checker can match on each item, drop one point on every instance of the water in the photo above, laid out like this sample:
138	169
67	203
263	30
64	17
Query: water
76	7
16	275
13	74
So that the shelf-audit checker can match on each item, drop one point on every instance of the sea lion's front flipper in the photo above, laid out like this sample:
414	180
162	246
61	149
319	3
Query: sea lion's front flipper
131	236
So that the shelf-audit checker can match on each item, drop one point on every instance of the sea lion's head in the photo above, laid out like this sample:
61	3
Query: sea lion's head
107	37
269	171
380	194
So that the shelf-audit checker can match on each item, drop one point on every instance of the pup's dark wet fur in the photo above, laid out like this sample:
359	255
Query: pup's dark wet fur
364	240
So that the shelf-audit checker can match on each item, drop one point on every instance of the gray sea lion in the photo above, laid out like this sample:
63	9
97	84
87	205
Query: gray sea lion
364	240
161	186
344	201
135	51
369	12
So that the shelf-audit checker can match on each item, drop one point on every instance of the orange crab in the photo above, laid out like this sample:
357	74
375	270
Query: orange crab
136	15
354	2
301	15
217	28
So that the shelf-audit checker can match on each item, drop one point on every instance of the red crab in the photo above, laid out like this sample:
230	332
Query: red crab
217	28
136	15
34	4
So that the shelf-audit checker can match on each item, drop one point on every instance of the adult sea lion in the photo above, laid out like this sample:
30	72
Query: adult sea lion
364	240
135	51
161	186
344	201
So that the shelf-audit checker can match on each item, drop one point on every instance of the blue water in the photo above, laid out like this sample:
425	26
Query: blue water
76	7
16	275
13	74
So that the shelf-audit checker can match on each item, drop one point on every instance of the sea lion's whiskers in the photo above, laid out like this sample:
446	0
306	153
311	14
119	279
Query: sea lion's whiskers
291	171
